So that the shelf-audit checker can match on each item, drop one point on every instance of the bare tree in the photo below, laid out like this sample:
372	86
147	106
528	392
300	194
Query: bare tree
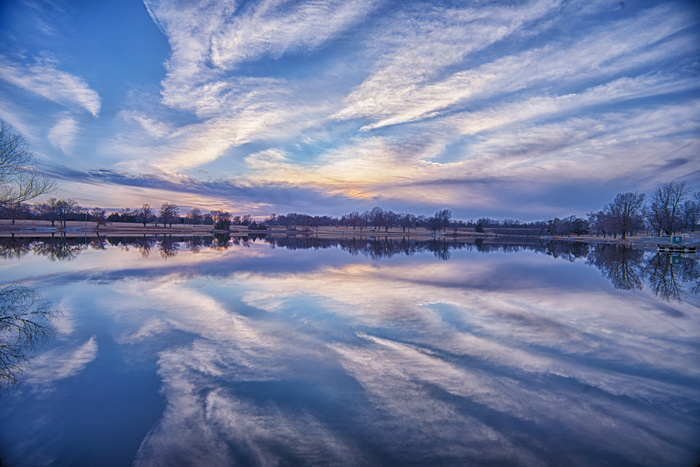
666	211
25	323
64	209
145	214
14	211
195	216
168	213
354	219
98	215
48	210
435	223
391	219
19	179
625	213
376	217
407	221
599	222
691	213
445	215
440	221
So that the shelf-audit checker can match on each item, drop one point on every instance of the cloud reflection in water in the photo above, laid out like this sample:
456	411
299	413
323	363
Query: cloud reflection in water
307	357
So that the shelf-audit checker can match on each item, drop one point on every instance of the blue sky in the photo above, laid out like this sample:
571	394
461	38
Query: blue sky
508	109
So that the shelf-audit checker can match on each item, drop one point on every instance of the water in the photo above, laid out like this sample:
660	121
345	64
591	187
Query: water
297	352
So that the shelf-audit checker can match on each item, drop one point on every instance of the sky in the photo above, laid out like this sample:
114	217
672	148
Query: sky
527	110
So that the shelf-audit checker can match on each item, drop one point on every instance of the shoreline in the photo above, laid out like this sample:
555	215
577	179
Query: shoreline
43	229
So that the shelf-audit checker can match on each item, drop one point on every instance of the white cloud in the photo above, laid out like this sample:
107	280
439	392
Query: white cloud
64	133
417	56
208	40
153	127
61	363
276	27
397	93
45	80
440	92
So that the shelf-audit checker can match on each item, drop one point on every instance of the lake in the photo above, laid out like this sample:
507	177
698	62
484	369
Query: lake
225	351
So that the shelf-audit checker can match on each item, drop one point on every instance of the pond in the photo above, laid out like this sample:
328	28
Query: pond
230	351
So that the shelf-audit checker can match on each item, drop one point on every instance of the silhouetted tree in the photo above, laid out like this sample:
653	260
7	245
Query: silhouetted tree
222	220
600	222
65	208
47	210
407	221
168	213
98	216
691	213
145	214
665	213
195	216
14	211
625	213
19	179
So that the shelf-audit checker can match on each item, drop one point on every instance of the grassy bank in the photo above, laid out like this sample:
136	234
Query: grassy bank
38	228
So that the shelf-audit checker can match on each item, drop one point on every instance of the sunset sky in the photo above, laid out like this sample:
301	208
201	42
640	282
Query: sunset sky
527	110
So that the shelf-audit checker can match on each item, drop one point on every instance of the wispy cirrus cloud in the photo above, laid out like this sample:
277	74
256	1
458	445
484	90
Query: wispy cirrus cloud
430	103
413	58
275	28
44	79
395	96
242	195
209	40
64	133
62	363
209	43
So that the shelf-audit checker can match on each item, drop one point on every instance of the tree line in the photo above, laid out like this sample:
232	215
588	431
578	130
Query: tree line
672	208
60	211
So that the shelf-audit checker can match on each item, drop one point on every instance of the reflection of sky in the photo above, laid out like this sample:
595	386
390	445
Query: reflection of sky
254	355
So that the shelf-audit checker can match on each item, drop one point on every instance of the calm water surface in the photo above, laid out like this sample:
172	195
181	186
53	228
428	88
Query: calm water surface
215	352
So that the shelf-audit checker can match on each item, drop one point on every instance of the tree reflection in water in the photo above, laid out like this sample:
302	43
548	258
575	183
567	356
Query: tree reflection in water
98	243
622	265
194	244
15	247
169	247
671	277
144	243
220	242
60	248
25	324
